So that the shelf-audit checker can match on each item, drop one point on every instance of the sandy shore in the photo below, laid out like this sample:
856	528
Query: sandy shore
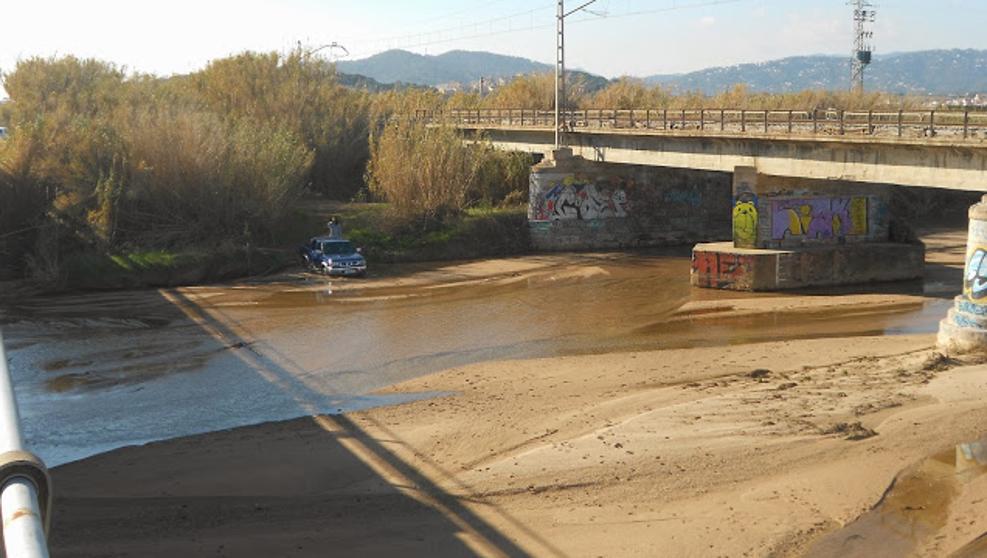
755	449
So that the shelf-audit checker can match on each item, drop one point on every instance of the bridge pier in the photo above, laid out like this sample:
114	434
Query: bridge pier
578	204
964	330
792	233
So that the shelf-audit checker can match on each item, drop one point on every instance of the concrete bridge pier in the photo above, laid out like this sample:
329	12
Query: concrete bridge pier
797	232
579	204
964	330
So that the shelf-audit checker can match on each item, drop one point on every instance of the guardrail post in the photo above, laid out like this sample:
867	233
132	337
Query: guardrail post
743	120
789	122
765	122
842	122
723	119
702	119
901	114
683	119
966	124
932	123
647	117
631	117
664	119
522	118
815	122
870	122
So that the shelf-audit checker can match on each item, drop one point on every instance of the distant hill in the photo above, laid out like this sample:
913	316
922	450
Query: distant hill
941	72
456	66
356	81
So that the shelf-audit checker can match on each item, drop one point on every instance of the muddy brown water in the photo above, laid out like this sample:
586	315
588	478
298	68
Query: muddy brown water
913	510
101	370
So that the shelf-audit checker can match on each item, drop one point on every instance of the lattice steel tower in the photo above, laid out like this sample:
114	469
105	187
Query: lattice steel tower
863	16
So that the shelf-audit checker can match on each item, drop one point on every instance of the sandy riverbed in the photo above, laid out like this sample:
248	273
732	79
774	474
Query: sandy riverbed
748	449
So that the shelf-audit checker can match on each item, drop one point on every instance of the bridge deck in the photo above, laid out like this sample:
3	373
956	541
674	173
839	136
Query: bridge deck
931	149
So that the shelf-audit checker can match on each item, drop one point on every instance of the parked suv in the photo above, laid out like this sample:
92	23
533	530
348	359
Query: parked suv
333	256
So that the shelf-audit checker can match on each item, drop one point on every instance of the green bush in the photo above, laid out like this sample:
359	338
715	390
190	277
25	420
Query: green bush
429	173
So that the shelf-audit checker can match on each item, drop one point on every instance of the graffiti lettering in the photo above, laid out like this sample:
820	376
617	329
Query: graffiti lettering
975	278
574	199
722	271
818	218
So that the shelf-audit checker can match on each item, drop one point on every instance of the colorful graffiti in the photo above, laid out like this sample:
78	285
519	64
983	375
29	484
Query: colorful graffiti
574	198
818	218
722	271
744	223
744	216
975	277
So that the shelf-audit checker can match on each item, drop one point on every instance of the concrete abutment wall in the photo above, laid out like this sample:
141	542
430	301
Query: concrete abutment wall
576	204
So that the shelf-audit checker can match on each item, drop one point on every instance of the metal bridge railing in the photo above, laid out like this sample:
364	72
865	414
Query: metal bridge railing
966	125
25	487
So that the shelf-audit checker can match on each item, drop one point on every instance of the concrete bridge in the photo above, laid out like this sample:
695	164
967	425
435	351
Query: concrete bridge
806	197
928	148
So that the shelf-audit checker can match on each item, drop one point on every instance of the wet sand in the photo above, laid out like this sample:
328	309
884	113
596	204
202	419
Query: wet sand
751	425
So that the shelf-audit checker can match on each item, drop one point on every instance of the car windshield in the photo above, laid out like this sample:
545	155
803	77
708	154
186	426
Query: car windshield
341	248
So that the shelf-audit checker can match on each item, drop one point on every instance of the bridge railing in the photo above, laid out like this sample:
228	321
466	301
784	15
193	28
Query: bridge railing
967	125
25	487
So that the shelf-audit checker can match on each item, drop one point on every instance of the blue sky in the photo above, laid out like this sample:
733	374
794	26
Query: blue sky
669	36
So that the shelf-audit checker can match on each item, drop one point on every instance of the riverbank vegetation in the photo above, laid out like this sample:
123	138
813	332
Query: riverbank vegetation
209	171
537	92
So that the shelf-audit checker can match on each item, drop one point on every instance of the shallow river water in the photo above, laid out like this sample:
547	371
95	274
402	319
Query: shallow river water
98	371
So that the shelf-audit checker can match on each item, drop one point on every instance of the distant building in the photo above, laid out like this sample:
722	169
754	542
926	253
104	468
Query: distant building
969	101
451	87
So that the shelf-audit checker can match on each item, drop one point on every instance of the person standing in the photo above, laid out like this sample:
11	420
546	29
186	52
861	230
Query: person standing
335	228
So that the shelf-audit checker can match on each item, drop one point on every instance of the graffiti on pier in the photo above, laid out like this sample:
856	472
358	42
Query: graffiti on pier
723	271
745	220
690	197
818	218
574	198
975	277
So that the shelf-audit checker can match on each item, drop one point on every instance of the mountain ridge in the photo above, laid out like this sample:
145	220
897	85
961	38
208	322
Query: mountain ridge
940	71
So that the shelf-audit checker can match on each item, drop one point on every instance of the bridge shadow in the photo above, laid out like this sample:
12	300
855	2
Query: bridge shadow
321	484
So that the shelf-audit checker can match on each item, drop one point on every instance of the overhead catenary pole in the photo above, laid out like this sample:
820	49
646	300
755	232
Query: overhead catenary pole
560	97
559	71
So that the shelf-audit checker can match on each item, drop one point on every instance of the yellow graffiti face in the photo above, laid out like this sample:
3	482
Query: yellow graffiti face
744	223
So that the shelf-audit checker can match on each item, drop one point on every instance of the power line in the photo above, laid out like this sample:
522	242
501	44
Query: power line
532	26
451	15
475	24
674	7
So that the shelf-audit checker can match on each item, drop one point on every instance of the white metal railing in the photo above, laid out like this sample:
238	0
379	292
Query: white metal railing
25	493
968	126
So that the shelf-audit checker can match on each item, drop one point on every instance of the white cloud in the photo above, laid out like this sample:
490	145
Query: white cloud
706	22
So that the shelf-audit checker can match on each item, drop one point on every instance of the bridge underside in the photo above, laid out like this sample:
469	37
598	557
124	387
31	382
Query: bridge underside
926	162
